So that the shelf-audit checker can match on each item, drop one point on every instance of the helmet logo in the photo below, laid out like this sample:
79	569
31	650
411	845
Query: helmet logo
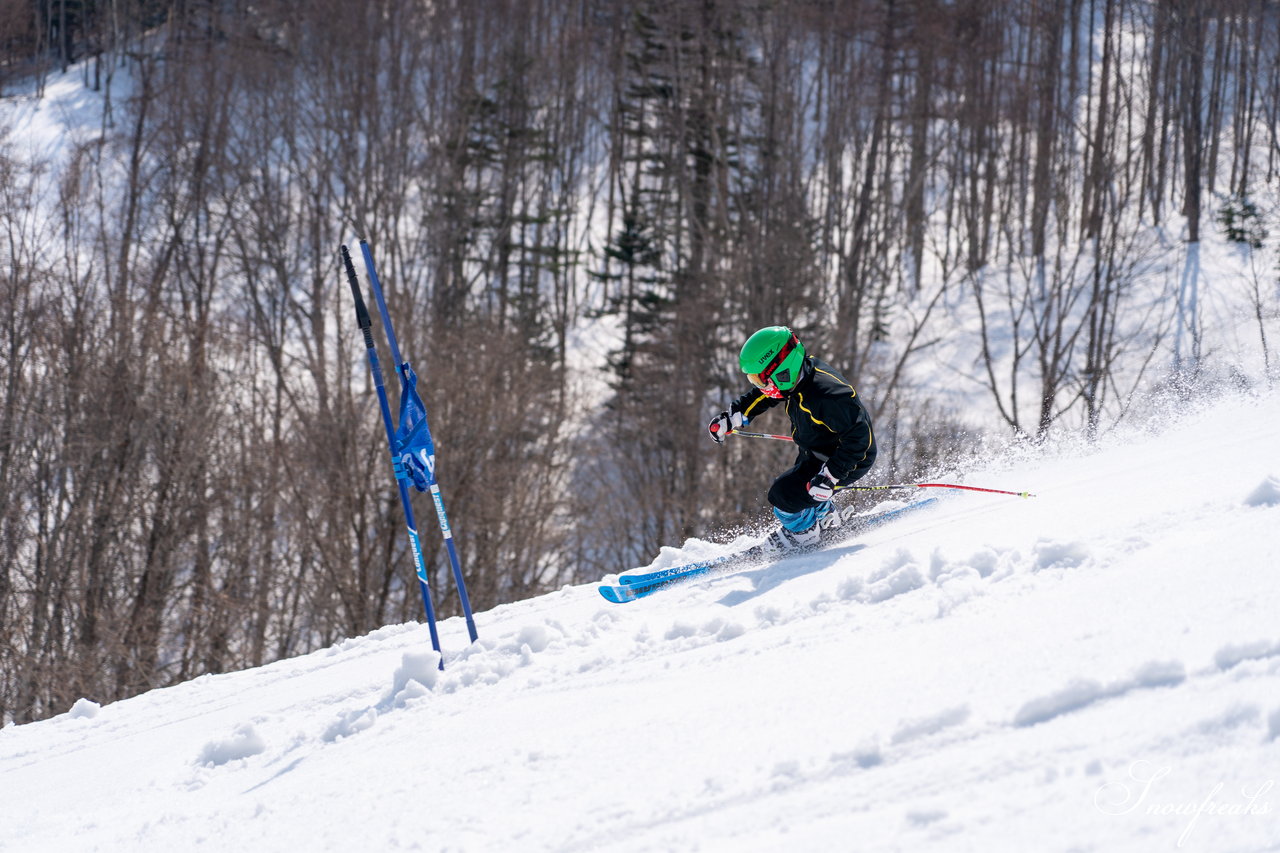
778	357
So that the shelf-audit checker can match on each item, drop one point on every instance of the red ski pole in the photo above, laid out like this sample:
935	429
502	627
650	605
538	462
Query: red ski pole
936	486
761	435
891	485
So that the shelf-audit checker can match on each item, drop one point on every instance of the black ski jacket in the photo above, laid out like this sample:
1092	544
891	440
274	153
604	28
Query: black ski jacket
828	421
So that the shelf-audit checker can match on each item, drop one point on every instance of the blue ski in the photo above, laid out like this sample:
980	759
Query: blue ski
661	575
620	593
631	587
640	584
858	523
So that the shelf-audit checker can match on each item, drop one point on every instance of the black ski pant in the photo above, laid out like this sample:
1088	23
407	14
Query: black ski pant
790	492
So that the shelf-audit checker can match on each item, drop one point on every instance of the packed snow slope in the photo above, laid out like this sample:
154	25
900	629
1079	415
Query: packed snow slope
1095	668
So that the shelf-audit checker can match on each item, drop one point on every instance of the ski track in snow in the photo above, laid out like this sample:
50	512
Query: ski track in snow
1064	672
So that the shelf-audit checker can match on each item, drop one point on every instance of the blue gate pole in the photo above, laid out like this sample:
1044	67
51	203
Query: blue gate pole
420	566
431	471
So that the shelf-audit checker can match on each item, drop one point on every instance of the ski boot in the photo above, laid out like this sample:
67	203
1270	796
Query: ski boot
784	541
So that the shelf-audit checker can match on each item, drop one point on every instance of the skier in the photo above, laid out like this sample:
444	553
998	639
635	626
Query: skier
829	424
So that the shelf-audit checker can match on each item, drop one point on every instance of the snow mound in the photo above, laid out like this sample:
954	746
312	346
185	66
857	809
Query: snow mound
1051	554
926	726
1266	494
899	575
1234	654
421	668
243	743
350	723
1083	692
84	709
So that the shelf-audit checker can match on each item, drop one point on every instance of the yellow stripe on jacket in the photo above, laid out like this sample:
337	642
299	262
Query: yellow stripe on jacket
747	411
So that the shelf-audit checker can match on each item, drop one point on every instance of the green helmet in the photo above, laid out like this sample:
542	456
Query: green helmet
774	353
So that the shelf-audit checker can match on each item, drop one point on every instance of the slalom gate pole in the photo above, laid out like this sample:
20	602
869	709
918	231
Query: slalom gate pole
891	485
363	319
434	486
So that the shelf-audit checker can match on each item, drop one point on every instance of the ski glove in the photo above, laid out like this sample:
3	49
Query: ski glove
823	486
723	424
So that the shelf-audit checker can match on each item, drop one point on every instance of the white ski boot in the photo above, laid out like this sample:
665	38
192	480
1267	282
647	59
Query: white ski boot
784	541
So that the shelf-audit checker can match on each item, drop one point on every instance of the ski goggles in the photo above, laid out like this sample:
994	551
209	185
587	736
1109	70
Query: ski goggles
766	386
764	379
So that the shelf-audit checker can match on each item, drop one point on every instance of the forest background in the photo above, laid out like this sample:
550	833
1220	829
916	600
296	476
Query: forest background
988	213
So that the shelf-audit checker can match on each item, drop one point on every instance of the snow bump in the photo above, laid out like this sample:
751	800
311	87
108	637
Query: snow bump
420	667
900	574
680	630
84	709
863	757
925	817
915	729
1159	674
716	628
985	562
1050	554
243	743
1081	693
1227	721
1232	655
1266	494
1076	695
536	637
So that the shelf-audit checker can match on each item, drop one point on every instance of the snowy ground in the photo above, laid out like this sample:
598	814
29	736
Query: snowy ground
1097	668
